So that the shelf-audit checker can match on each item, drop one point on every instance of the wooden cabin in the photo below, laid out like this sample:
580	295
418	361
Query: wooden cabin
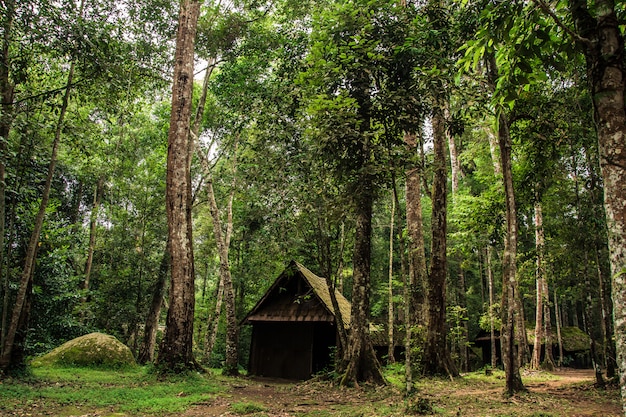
293	326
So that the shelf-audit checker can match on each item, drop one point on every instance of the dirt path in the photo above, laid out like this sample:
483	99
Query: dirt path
571	394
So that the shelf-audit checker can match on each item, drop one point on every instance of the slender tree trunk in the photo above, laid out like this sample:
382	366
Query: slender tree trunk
492	330
548	361
334	287
510	358
557	320
176	350
6	120
21	307
510	307
146	350
455	164
494	151
402	315
415	287
197	121
436	360
588	301
535	362
213	322
457	173
587	317
231	364
390	310
97	199
607	322
333	280
604	54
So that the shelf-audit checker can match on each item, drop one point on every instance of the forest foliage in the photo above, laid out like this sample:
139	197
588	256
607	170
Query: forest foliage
306	100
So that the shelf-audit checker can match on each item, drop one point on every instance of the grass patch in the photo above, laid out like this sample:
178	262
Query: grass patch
247	408
129	391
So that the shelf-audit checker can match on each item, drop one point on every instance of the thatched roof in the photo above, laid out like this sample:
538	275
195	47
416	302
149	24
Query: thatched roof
573	338
318	287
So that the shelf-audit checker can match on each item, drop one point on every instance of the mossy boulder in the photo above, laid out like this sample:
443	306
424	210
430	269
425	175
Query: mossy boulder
91	350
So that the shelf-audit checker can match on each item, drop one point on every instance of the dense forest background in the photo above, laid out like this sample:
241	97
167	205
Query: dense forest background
289	92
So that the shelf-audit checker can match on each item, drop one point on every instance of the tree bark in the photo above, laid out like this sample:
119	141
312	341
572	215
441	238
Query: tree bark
492	330
231	364
557	320
6	120
213	322
93	222
436	360
146	350
360	362
535	362
548	361
333	279
604	54
455	164
415	287
225	284
390	309
510	359
175	352
493	150
510	306
21	308
608	335
457	173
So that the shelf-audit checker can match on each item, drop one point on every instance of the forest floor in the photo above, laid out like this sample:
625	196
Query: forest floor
566	392
84	392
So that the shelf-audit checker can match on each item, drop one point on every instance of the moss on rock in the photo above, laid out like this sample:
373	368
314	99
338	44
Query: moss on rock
94	349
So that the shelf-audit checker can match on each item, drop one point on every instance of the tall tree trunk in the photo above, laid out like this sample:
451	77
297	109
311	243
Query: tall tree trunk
588	300
607	321
457	173
401	220
548	361
93	222
535	362
492	330
335	286
213	321
587	319
6	120
146	350
510	307
360	362
494	151
510	359
557	320
603	44
436	360
455	164
176	350
390	309
21	307
415	287
333	280
231	364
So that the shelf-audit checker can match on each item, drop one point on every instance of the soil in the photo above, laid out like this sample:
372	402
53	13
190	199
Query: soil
572	394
